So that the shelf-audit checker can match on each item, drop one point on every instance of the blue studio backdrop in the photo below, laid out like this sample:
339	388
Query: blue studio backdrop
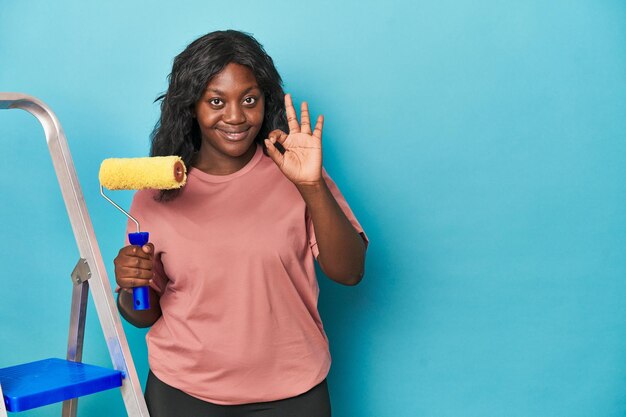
482	145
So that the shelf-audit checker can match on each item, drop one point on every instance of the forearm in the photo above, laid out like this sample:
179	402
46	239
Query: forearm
341	248
139	318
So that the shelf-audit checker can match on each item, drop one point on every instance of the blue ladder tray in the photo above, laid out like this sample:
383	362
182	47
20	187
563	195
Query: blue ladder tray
49	381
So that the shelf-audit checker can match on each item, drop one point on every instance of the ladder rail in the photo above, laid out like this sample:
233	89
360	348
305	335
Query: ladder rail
78	318
3	408
88	247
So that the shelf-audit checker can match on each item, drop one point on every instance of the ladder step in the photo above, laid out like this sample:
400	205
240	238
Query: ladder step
49	381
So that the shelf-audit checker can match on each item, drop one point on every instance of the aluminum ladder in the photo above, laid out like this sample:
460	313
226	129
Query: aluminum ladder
52	380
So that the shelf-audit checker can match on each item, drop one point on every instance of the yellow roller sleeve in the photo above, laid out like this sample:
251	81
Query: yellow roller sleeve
157	172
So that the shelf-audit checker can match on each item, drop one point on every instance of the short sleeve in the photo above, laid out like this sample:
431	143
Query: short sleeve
343	204
137	208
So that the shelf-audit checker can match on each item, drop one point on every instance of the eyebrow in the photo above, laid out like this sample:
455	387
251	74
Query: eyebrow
220	92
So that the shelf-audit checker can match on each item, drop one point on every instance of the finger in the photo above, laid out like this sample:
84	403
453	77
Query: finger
134	250
132	282
148	248
134	262
282	138
305	120
277	136
319	125
274	153
134	273
275	133
292	119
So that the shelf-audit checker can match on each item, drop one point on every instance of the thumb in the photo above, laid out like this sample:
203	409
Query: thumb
148	248
273	151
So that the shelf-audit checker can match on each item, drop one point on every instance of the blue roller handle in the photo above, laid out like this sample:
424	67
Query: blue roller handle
141	295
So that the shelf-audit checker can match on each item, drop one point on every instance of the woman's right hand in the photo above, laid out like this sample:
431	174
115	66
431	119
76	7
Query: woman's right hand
133	266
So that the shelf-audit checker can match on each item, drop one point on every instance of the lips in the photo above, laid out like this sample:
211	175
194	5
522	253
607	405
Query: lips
233	135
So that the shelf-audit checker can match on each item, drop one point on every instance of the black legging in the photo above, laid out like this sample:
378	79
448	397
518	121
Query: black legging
166	401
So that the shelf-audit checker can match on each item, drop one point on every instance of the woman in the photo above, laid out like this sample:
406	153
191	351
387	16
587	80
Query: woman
235	327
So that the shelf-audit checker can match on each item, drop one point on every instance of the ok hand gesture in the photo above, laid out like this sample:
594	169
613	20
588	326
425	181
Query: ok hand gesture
302	161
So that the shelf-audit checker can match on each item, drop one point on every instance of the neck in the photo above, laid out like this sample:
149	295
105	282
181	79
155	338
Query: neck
215	163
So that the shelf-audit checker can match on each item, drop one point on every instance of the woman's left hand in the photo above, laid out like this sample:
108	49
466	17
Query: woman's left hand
302	161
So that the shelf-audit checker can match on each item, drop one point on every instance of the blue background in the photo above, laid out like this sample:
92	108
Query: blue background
482	145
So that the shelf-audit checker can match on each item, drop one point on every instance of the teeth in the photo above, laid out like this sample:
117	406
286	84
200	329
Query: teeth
234	135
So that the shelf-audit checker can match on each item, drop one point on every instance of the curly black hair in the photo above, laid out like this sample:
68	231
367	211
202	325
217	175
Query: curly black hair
177	131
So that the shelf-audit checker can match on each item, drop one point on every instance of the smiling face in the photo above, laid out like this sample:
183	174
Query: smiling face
230	115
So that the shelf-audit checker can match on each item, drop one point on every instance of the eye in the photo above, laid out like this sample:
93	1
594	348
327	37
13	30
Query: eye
249	100
215	102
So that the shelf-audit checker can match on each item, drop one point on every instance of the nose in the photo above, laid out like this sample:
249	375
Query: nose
233	114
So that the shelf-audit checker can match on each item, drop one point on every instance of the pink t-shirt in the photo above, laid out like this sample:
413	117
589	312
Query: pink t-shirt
234	264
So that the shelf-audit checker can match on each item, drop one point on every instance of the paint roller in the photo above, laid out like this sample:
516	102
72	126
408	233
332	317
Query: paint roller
157	172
